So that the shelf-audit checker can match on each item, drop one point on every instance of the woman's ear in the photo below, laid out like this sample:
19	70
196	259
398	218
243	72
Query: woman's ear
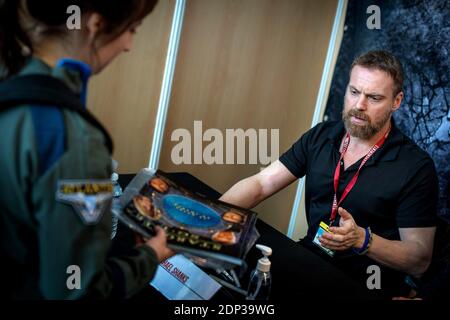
95	24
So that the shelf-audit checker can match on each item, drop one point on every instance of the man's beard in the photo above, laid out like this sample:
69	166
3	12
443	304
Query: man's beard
366	131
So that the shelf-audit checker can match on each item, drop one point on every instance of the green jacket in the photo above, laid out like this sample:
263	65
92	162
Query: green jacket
42	238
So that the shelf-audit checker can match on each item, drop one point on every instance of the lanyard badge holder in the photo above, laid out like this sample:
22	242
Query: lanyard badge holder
323	227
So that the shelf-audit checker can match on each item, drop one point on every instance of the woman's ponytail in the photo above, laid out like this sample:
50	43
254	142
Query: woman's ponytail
13	39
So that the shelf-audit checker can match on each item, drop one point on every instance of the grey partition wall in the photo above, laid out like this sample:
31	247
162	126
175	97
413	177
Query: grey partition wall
418	33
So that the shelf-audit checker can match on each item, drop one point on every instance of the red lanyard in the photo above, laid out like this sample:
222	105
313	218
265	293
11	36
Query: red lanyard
352	182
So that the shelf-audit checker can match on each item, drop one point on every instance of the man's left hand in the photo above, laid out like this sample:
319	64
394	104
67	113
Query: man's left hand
346	236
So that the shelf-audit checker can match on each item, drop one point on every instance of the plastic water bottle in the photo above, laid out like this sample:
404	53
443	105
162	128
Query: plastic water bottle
260	278
117	192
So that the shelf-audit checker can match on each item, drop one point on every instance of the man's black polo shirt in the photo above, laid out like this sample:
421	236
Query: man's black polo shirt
396	188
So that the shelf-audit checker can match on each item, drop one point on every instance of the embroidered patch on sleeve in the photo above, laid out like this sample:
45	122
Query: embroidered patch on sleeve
90	198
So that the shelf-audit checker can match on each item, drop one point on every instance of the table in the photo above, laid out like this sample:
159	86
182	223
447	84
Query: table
297	272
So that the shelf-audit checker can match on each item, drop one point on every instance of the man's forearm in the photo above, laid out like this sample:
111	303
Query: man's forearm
247	193
402	255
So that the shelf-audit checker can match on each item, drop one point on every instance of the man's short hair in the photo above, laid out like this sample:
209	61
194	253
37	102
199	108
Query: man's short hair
385	61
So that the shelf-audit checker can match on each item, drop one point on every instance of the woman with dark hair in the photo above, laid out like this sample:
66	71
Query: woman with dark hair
55	163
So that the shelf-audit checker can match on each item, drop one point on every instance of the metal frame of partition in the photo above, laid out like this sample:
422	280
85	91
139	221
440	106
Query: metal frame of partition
166	87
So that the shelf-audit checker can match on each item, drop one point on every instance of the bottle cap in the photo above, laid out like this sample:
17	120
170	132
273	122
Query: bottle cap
264	263
114	164
114	177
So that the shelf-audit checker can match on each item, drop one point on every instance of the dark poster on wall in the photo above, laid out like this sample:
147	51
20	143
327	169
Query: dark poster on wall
418	33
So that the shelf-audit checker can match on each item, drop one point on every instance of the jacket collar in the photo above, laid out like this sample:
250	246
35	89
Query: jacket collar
75	74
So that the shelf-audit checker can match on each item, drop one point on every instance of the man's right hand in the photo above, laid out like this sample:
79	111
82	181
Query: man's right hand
159	243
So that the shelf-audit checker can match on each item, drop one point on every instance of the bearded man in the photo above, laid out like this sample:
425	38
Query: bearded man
371	193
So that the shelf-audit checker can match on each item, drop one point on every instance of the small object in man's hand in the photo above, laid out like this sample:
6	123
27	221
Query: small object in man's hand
323	228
